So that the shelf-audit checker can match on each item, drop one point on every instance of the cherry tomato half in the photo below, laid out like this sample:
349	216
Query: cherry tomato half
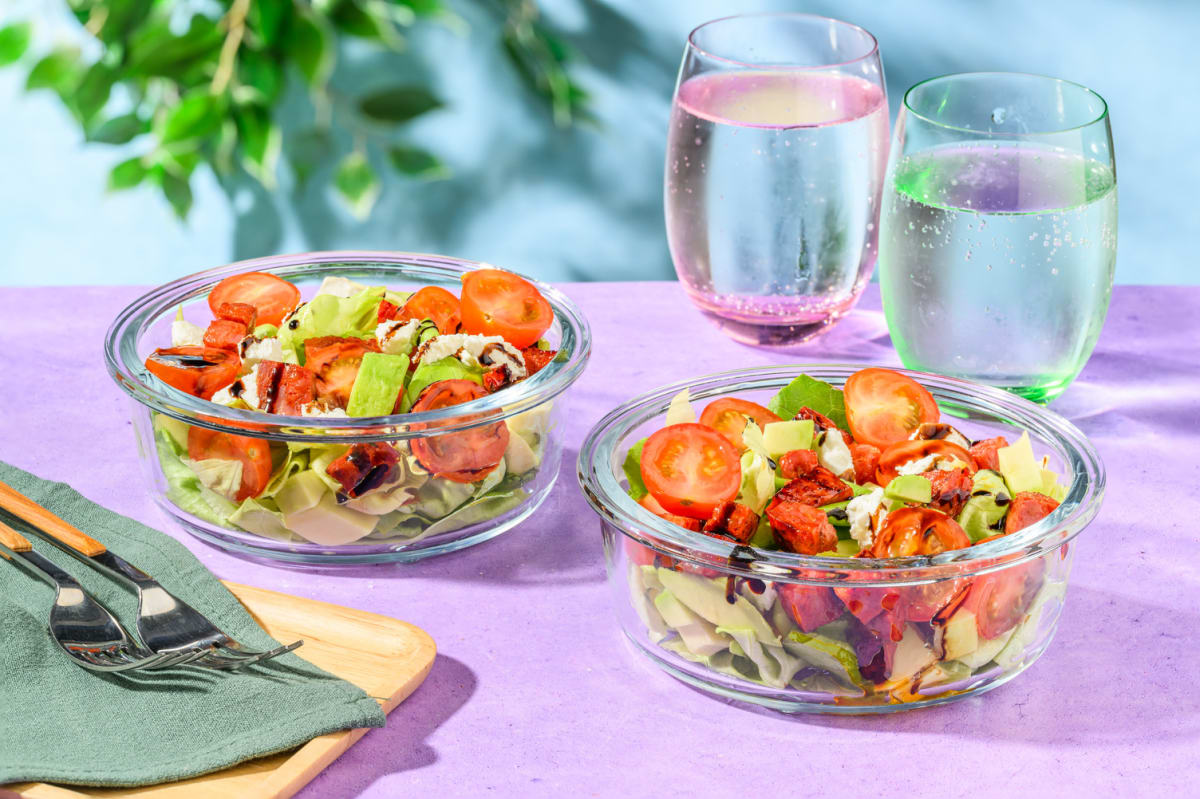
728	416
690	469
436	304
917	531
464	456
254	453
903	452
498	303
201	371
272	297
883	407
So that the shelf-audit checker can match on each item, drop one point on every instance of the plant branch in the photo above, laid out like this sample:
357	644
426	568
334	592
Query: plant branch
236	22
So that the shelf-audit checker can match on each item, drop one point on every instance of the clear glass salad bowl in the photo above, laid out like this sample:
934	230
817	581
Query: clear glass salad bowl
723	617
436	515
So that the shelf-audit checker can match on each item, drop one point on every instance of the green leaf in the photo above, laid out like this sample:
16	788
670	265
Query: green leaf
262	72
306	150
121	17
417	163
178	192
118	130
56	70
198	114
92	93
126	174
309	42
261	141
266	18
357	183
14	41
354	19
155	51
807	392
399	103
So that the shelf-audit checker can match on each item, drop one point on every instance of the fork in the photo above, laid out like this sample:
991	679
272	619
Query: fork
165	623
84	628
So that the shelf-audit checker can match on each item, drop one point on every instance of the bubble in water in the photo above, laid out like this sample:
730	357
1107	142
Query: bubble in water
1054	271
999	115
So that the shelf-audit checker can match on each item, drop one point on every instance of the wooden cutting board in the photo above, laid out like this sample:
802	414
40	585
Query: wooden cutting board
385	657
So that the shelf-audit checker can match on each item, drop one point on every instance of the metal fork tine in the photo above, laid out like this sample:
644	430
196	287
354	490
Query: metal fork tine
258	657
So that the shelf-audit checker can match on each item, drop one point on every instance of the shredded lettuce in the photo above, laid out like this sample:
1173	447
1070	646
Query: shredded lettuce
633	471
448	368
330	315
807	392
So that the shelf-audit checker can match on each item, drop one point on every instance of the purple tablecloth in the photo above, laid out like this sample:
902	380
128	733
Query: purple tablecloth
534	693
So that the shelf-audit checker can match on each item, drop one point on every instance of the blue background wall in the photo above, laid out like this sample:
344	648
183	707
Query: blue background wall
586	203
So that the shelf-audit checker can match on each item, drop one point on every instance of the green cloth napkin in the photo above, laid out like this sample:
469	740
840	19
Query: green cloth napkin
60	723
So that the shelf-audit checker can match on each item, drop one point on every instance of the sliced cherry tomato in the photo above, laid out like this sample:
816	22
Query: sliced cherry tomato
866	462
920	603
728	416
436	304
387	312
798	463
651	504
464	456
986	454
1028	507
497	303
254	453
883	407
224	334
999	600
903	452
691	469
336	361
916	531
201	371
272	297
810	606
801	528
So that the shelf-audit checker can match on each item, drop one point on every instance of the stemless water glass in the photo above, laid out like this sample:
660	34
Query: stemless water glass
999	231
775	158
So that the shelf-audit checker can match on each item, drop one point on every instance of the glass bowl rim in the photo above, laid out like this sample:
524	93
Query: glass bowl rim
871	53
908	109
611	502
127	369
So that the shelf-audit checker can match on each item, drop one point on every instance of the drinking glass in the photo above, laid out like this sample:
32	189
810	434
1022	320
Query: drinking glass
775	158
999	231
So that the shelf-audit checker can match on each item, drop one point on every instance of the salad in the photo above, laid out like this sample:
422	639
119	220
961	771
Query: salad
354	350
867	471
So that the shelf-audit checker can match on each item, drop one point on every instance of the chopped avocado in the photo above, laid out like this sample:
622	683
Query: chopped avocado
175	429
699	635
828	654
706	598
847	549
259	518
909	488
329	524
633	471
764	536
448	368
680	411
986	506
265	331
836	513
960	636
300	492
783	437
377	385
518	457
1021	470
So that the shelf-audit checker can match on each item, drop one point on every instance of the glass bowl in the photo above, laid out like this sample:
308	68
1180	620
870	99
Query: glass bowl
835	634
420	515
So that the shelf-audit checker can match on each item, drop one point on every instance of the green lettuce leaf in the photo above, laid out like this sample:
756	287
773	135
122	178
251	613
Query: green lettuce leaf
633	471
448	368
807	392
330	315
